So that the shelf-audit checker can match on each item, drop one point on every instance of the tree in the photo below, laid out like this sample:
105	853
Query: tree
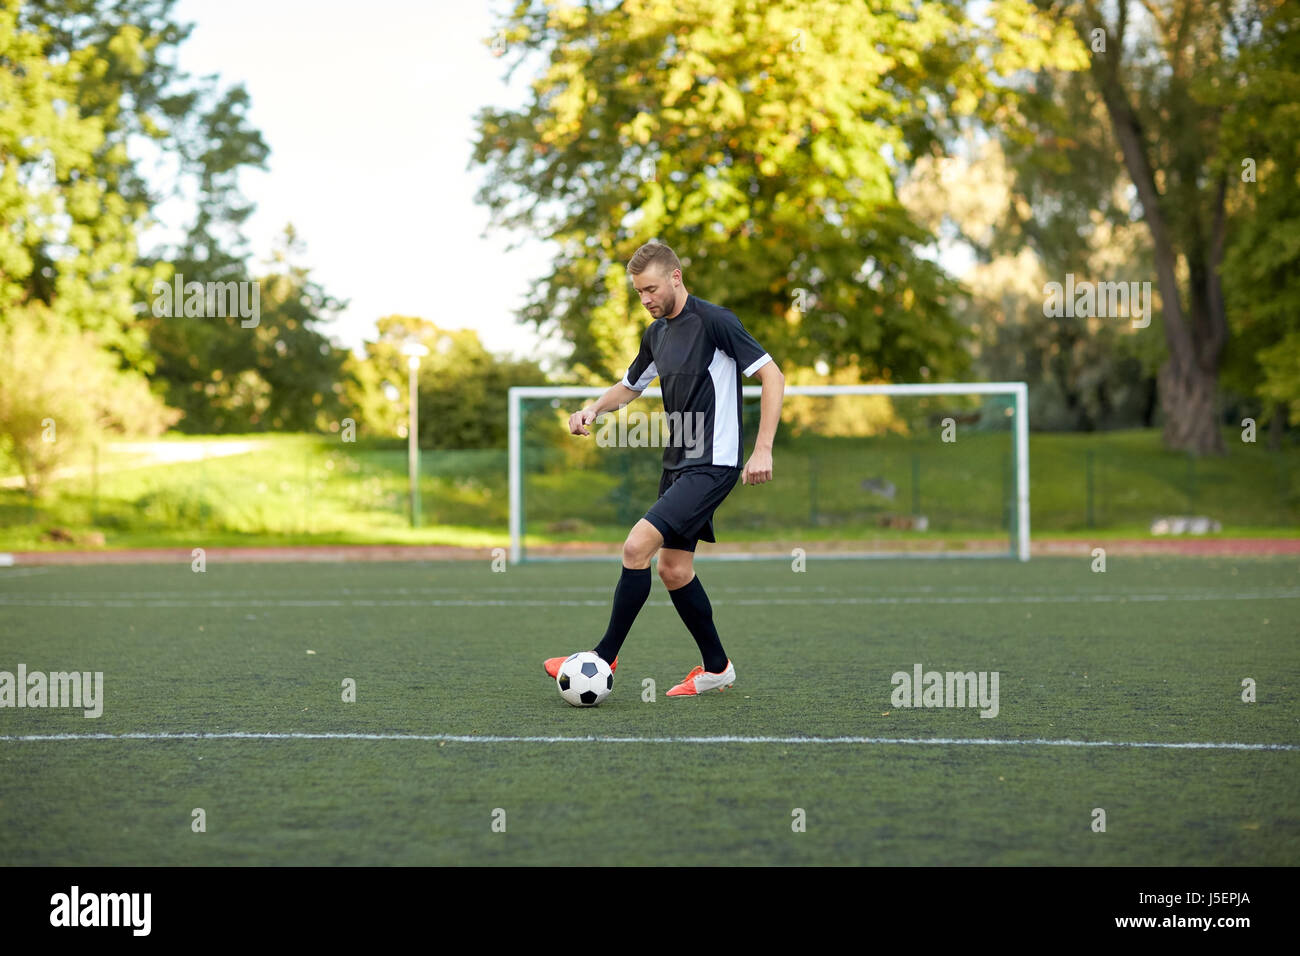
66	230
67	253
281	373
93	86
1169	75
88	84
1026	220
761	140
462	386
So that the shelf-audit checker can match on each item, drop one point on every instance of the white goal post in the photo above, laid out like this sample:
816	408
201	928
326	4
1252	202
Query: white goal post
1020	436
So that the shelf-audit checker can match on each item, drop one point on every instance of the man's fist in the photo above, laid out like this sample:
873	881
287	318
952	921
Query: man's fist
579	421
758	469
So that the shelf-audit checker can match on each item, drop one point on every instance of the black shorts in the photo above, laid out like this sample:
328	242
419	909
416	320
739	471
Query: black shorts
687	499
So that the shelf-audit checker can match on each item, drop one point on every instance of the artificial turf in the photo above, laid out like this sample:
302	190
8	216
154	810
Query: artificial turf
1151	651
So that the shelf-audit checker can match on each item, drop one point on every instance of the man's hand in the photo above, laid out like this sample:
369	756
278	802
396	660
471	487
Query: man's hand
579	421
758	469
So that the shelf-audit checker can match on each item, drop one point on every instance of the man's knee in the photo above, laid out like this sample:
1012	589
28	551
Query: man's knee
635	555
641	545
675	573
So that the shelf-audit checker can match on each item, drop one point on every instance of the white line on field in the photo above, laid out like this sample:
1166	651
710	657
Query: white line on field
493	739
495	588
851	590
1264	595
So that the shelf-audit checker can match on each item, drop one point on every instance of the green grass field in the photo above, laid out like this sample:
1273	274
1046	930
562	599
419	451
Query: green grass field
1152	651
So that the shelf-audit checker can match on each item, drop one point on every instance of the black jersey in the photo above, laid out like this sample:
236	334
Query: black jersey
699	356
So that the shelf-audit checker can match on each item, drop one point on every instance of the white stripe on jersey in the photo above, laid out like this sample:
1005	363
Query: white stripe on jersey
726	423
758	363
646	378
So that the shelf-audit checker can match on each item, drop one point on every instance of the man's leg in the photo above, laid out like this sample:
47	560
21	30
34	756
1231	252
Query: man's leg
633	587
677	571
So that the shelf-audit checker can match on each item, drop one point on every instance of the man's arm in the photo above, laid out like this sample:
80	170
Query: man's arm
616	397
759	467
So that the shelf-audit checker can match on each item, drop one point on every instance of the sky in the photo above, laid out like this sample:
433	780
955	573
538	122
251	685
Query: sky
368	110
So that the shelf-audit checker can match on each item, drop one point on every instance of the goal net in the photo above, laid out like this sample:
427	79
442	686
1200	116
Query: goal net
936	470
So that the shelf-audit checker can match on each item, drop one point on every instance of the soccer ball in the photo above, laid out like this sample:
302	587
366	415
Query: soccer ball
584	679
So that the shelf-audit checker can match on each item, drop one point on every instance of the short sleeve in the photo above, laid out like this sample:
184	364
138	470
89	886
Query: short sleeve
642	371
730	336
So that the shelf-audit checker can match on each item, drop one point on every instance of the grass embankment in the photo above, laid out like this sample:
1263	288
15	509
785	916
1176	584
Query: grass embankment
305	489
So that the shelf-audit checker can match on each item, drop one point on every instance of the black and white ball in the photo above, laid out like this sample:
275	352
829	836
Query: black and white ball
584	679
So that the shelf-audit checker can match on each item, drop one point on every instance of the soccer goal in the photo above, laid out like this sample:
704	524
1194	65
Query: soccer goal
865	471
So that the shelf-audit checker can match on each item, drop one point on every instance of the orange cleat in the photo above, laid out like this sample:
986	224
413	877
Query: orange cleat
552	665
700	680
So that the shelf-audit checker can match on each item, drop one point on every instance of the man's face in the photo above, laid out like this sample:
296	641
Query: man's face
658	290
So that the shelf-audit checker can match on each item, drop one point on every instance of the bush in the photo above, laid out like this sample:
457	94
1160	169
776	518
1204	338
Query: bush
60	392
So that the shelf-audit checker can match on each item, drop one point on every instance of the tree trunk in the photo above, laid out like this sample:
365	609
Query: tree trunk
1189	400
1196	334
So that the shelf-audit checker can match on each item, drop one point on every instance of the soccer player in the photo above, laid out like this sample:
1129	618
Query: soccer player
699	352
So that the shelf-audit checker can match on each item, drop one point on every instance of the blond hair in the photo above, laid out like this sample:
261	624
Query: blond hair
653	252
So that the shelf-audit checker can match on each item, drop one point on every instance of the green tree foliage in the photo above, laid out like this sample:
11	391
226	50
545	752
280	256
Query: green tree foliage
461	385
68	219
91	91
103	74
281	374
70	206
1260	156
762	141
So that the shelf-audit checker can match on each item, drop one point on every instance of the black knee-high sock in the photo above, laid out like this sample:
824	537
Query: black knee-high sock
629	595
697	613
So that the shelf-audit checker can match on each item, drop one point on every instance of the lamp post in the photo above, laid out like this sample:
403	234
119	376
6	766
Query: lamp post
414	352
